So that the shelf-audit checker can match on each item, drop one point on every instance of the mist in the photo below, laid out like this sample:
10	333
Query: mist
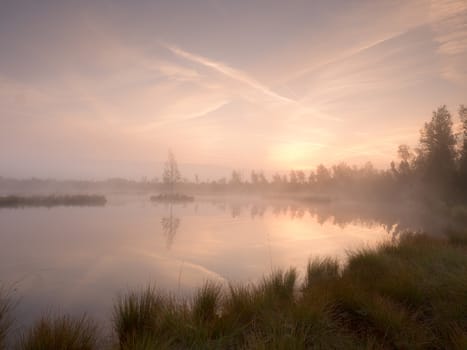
233	174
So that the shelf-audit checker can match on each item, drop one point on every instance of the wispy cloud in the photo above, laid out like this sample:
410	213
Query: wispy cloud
313	91
176	117
449	23
349	53
229	72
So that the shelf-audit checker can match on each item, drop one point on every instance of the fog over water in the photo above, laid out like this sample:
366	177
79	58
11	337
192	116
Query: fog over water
168	143
79	259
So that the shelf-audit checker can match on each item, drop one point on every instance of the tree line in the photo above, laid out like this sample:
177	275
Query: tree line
435	169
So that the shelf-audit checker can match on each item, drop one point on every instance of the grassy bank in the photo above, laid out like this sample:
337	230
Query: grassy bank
410	295
52	201
406	295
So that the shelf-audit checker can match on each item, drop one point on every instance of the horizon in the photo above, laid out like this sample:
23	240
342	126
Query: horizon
94	91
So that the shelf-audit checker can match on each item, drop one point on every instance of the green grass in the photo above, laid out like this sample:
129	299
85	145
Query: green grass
411	294
63	332
406	295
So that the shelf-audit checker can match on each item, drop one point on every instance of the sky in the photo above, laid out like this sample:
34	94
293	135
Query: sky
98	89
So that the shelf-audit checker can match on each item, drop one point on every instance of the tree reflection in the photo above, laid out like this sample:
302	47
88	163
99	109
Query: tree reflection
394	219
170	225
257	210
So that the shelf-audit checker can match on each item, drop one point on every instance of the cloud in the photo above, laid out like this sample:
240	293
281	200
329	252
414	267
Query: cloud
180	114
347	54
449	22
103	87
290	108
229	72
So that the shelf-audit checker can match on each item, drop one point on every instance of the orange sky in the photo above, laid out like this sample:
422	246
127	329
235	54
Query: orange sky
104	88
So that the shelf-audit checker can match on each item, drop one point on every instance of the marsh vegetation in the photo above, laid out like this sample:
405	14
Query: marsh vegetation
52	201
394	296
5	317
175	197
409	294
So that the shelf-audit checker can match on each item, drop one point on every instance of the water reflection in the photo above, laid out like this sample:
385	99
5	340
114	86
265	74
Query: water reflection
394	220
78	257
170	225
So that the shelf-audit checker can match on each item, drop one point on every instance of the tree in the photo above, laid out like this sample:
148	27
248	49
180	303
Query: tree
342	174
254	178
437	153
406	156
323	175
236	178
312	177
293	177
301	178
404	153
262	179
276	179
171	175
463	148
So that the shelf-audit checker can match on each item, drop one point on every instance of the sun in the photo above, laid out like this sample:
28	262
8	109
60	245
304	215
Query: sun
295	155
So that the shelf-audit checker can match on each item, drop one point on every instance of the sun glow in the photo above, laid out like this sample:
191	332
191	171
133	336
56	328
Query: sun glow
295	155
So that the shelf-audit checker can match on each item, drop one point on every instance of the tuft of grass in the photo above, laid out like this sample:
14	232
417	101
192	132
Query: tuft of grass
457	238
5	318
206	302
241	306
136	314
63	332
320	270
279	286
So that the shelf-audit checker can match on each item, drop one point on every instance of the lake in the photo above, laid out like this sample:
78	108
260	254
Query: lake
78	259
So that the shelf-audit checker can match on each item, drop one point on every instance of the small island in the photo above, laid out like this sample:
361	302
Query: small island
175	197
171	176
14	201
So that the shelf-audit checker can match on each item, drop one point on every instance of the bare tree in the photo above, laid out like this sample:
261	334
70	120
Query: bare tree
171	175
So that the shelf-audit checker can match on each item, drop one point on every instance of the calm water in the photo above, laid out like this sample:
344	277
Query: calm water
78	259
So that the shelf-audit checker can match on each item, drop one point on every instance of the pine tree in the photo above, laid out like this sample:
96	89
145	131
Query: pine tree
437	154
